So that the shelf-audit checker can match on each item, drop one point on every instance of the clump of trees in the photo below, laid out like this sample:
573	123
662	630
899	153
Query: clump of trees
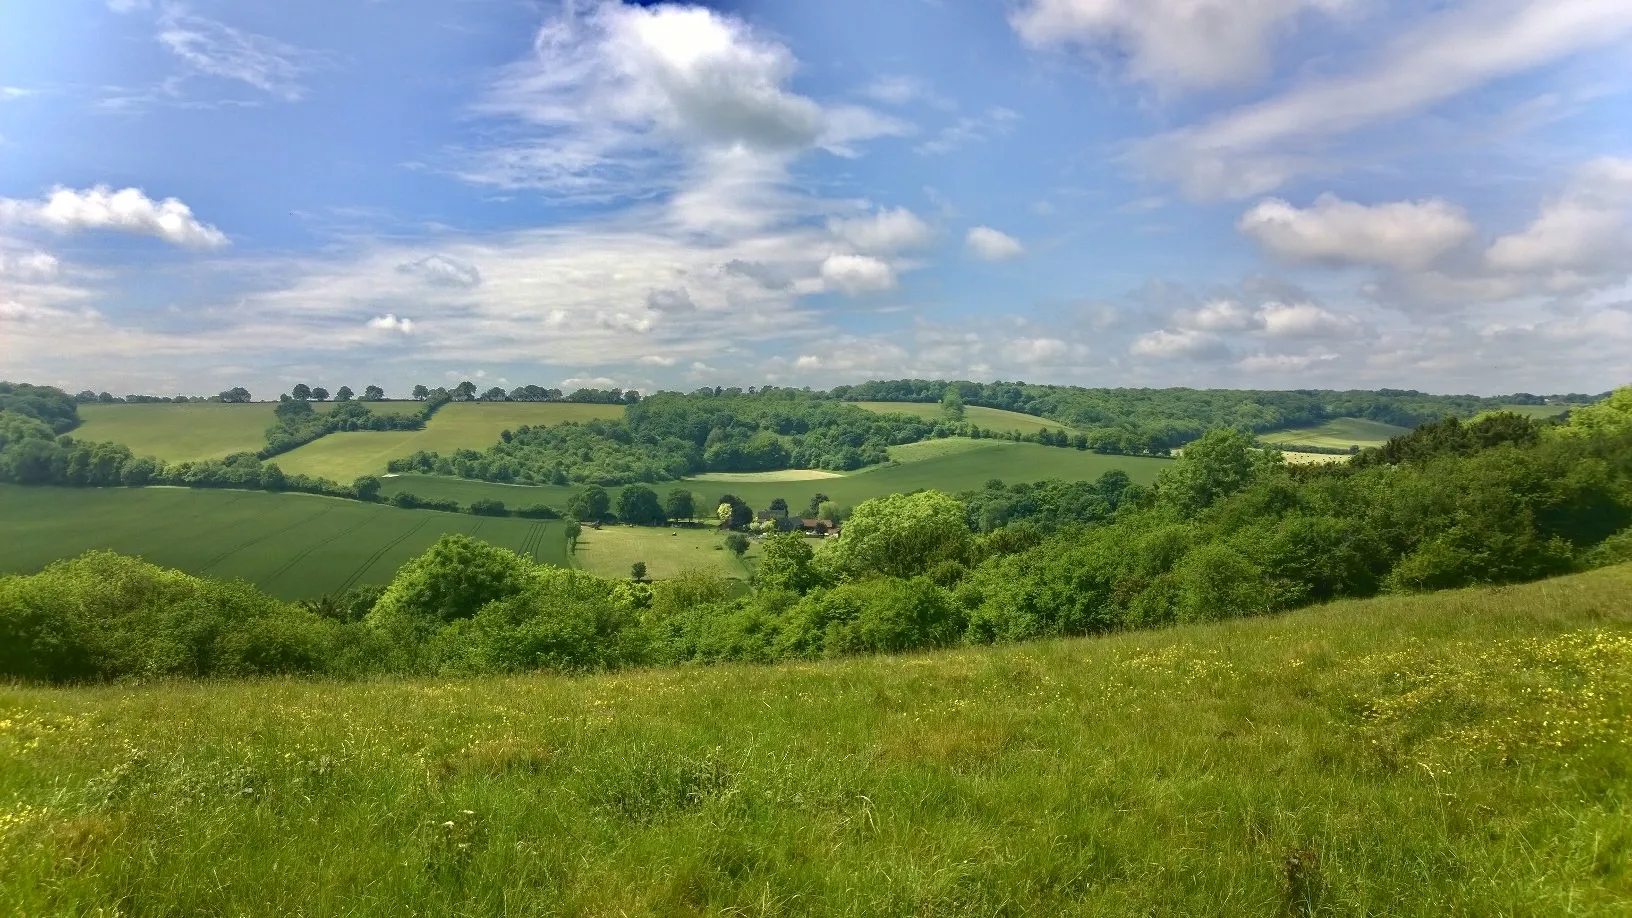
671	435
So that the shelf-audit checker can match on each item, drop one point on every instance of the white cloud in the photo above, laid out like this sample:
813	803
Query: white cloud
1305	320
1588	228
656	360
1403	234
442	271
1221	316
66	210
897	89
970	129
1283	363
620	95
8	93
1183	44
991	245
1254	149
1167	344
857	274
883	233
128	6
1042	351
216	49
28	268
390	323
589	382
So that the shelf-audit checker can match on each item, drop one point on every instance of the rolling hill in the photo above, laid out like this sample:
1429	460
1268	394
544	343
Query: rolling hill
1456	753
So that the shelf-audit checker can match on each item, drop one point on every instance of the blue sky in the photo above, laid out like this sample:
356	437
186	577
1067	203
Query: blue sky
1252	193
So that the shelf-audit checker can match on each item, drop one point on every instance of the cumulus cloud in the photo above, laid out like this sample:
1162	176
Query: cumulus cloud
1221	316
1587	228
66	210
1403	234
858	274
1183	44
1305	320
390	323
1255	148
619	92
991	245
1170	343
883	233
442	271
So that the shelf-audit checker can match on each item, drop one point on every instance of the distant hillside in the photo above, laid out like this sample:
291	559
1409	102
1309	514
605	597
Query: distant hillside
1157	420
1459	753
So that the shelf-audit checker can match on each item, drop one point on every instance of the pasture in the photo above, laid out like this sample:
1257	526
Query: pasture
1338	433
610	550
988	418
295	546
1460	753
947	465
461	425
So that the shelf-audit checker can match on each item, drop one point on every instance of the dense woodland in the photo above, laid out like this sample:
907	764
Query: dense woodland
1227	531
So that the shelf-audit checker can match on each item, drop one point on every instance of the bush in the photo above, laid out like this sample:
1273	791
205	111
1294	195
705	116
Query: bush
105	616
488	507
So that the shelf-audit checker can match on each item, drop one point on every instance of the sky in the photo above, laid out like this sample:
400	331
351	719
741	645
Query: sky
1270	194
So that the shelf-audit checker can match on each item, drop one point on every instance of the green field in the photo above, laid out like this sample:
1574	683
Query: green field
962	465
611	550
1338	433
463	425
988	418
291	545
1537	412
1461	753
195	430
179	433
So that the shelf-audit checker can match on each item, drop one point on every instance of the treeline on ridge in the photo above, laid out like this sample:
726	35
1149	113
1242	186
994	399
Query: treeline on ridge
1157	420
1228	530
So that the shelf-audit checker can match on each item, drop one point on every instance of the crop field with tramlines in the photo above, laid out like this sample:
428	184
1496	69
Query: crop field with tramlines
291	545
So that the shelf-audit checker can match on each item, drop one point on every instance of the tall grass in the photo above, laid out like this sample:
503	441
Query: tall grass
1465	753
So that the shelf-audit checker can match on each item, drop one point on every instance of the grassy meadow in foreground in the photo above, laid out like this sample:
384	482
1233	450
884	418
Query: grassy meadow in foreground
1464	753
294	546
960	465
462	425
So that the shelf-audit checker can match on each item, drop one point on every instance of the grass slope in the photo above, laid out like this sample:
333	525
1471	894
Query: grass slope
611	550
463	425
178	433
1463	753
195	430
988	418
291	545
960	465
1339	433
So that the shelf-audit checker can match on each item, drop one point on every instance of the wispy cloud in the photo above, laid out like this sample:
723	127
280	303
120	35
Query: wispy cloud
216	49
968	130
